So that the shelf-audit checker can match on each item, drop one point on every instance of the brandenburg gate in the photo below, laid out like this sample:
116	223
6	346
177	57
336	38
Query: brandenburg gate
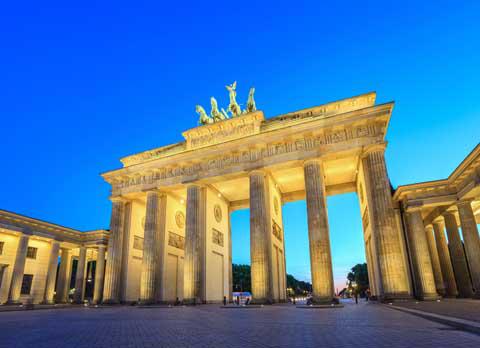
170	226
170	234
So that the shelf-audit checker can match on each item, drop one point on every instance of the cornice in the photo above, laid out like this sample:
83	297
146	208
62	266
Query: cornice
454	183
27	225
319	124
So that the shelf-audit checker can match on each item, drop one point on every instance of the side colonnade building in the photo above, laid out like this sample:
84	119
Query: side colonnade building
441	223
37	258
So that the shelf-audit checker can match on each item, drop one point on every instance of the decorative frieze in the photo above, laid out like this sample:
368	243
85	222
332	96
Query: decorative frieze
365	219
176	240
217	237
248	156
276	230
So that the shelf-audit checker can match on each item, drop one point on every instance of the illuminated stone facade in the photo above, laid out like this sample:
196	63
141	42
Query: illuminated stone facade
252	162
170	233
32	252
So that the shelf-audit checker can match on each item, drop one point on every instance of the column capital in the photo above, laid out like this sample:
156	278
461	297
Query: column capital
259	171
429	227
118	199
373	148
439	220
195	184
464	202
449	213
318	161
412	206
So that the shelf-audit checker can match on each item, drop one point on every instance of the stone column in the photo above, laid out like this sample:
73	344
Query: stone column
51	273
437	270
63	282
318	233
194	263
79	294
125	253
420	254
445	262
457	254
472	242
151	287
111	289
99	274
18	270
260	240
385	236
230	271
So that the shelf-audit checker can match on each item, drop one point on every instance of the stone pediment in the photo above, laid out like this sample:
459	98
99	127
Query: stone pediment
223	131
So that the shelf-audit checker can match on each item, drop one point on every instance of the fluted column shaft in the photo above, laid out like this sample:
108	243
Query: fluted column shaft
472	242
445	261
99	274
457	255
195	229
151	285
63	282
318	233
422	265
230	271
260	240
437	270
393	274
18	270
111	290
51	273
79	294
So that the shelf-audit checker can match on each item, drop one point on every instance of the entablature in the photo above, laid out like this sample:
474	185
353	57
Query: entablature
16	223
317	137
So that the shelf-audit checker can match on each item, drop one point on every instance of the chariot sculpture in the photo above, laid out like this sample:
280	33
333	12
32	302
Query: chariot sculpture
233	110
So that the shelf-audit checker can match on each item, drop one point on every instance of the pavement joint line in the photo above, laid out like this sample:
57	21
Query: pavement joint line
462	324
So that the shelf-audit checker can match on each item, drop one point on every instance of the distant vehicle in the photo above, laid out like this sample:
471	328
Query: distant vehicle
242	296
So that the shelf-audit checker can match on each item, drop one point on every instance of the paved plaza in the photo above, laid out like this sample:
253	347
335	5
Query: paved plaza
360	325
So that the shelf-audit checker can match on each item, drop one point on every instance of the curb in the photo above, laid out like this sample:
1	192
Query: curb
461	324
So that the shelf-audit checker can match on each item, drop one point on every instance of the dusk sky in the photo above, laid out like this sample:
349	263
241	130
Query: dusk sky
83	86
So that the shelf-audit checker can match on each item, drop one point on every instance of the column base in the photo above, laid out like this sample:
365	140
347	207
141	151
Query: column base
476	295
429	297
47	302
395	297
146	302
317	300
13	303
110	302
262	301
193	301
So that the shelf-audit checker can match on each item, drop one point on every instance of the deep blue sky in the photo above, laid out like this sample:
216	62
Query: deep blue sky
83	86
